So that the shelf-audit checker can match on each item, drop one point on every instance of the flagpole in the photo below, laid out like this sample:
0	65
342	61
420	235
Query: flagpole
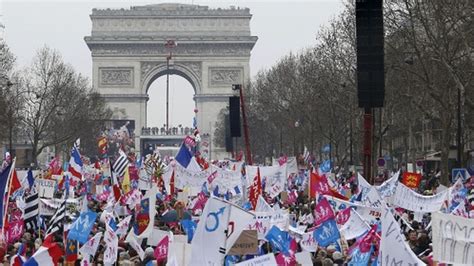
5	208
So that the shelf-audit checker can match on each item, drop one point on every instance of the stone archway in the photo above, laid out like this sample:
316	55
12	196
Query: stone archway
128	53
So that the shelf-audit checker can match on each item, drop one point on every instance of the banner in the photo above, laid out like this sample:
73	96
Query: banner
408	199
393	248
452	239
264	260
261	223
275	177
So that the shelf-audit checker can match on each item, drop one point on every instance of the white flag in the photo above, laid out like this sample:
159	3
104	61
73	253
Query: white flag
111	246
90	247
133	242
393	248
262	205
208	244
238	221
122	227
354	227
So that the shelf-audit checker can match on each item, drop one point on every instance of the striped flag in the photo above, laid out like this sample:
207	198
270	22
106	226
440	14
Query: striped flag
306	155
120	164
31	211
56	222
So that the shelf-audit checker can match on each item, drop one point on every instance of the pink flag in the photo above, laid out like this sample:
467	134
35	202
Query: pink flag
161	250
200	202
343	216
14	231
322	212
211	177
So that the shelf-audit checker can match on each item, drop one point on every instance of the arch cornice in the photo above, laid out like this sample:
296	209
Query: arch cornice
191	71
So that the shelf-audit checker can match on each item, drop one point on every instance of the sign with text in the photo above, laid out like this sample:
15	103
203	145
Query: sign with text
46	187
452	239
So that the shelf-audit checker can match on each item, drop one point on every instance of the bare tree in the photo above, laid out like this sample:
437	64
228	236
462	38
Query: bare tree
59	105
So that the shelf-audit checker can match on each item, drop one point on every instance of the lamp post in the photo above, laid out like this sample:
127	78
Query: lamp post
170	44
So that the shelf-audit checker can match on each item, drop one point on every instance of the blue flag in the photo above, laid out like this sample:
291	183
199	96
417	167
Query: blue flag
204	188
326	166
82	227
247	206
184	156
3	185
326	233
216	191
237	190
279	240
31	179
189	227
358	258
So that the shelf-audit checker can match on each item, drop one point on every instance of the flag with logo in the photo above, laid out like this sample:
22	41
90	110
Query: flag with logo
145	215
189	227
411	180
161	250
90	247
213	225
280	240
326	233
82	227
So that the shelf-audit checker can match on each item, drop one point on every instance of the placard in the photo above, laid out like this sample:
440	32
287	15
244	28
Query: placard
46	188
452	239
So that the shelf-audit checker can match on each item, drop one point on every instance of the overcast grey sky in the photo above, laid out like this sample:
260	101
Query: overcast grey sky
281	26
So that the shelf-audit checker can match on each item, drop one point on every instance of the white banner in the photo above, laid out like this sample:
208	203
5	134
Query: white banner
265	260
261	223
393	248
410	200
452	239
275	177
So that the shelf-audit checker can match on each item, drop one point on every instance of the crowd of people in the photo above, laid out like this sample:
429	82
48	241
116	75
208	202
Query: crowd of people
114	195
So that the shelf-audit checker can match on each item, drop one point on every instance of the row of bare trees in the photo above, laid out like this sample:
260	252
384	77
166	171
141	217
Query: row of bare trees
49	104
310	98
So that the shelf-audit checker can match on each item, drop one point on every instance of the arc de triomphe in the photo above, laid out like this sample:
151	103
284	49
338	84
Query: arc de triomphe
128	54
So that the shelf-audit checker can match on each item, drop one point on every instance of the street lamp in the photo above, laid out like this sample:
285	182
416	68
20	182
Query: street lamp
169	44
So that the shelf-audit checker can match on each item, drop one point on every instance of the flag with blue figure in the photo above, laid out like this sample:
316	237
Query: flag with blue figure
189	227
325	166
82	227
326	233
280	240
326	148
359	258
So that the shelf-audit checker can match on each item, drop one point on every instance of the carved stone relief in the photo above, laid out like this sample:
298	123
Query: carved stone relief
116	76
225	76
195	67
